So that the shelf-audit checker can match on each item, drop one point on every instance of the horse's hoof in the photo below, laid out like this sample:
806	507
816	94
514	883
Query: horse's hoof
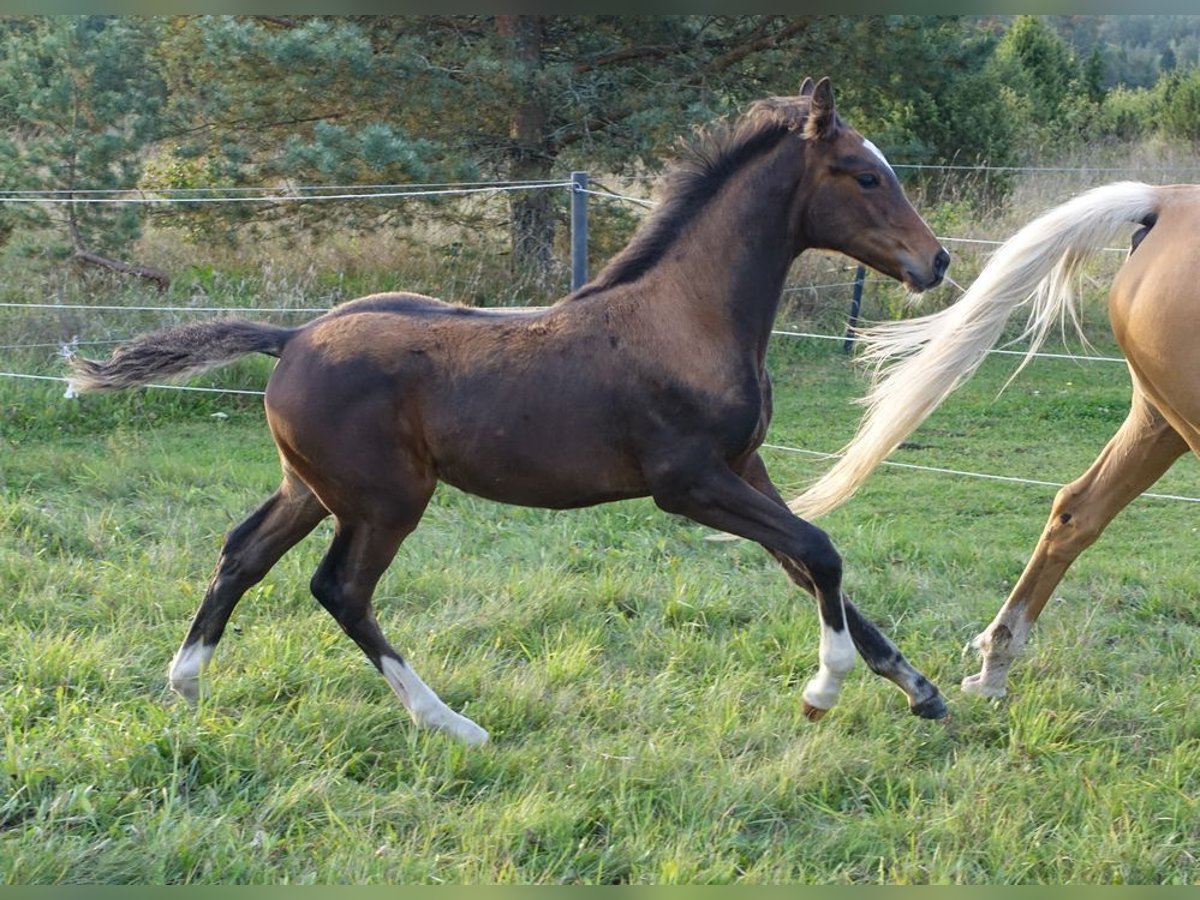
813	713
458	726
974	684
187	689
472	734
931	708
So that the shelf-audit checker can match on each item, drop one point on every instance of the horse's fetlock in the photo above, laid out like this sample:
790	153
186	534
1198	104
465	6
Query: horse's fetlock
1001	637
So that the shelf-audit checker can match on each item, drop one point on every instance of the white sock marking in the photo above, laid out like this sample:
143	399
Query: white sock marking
837	655
186	668
999	644
426	708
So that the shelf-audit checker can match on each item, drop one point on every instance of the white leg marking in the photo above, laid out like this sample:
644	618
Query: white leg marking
186	668
999	644
426	708
837	655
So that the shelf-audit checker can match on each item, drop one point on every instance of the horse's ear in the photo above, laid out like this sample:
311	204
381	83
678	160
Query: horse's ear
822	116
806	87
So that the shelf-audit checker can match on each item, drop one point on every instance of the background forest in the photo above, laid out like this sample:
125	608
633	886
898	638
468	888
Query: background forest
172	103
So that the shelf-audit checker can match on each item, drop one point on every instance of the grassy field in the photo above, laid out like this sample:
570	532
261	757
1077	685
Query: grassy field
641	684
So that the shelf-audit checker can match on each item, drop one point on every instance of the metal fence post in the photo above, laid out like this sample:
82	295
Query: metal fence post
860	275
579	230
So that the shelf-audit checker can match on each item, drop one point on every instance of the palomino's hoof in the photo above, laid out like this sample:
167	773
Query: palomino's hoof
974	684
813	713
933	708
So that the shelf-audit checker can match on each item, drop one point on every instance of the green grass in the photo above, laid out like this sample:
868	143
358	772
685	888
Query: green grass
641	684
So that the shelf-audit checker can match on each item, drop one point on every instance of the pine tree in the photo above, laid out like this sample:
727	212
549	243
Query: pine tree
80	99
530	97
495	97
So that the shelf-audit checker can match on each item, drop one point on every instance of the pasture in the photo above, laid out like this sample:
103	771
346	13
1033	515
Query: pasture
641	684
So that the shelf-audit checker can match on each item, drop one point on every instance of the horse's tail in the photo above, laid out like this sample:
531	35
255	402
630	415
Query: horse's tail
918	362
173	353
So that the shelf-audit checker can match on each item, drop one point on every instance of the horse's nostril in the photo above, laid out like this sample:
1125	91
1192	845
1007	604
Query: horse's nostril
941	263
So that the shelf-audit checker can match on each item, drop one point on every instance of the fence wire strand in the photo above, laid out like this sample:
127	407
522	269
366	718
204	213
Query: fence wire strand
147	200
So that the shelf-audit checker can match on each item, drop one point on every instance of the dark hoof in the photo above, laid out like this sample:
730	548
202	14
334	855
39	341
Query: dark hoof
933	708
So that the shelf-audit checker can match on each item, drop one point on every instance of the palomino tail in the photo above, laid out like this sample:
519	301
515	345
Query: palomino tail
918	362
176	353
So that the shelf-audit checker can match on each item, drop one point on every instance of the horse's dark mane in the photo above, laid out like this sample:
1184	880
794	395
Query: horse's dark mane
707	163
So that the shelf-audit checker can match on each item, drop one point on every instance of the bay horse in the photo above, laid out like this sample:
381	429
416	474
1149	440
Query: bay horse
1153	308
649	380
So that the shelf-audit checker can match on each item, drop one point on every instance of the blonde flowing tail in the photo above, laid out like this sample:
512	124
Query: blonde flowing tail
918	362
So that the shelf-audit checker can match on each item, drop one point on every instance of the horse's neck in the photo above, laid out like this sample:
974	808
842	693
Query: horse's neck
734	259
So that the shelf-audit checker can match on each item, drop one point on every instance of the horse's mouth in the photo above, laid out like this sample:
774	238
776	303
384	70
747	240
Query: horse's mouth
918	284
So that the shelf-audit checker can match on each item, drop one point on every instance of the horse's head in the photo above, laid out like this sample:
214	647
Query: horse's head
850	200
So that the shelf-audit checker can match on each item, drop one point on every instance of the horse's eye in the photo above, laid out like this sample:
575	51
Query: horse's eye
868	180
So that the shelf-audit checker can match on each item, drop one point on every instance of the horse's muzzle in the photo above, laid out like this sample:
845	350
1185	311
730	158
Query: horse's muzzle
920	282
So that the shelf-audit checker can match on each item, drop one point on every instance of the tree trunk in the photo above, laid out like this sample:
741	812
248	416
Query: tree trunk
530	155
160	278
89	257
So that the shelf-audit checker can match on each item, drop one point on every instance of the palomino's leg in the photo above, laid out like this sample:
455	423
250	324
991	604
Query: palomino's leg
250	550
881	655
1139	453
344	583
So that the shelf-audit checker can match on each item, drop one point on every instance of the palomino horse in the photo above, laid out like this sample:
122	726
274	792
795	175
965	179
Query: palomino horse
649	380
1153	299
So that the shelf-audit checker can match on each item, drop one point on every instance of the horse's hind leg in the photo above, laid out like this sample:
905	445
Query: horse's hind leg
344	583
880	654
1139	453
249	552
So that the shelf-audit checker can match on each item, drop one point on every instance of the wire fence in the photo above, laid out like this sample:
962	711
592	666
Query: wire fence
304	195
428	191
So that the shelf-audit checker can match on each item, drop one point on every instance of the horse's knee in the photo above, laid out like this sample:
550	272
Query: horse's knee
820	557
236	570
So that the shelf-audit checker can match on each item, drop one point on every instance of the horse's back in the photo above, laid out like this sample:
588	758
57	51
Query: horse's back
1154	308
389	332
418	306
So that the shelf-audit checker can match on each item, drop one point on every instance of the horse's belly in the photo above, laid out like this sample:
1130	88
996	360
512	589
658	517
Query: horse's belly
552	482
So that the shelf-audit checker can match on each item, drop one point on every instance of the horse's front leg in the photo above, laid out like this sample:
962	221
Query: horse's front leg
881	655
712	494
